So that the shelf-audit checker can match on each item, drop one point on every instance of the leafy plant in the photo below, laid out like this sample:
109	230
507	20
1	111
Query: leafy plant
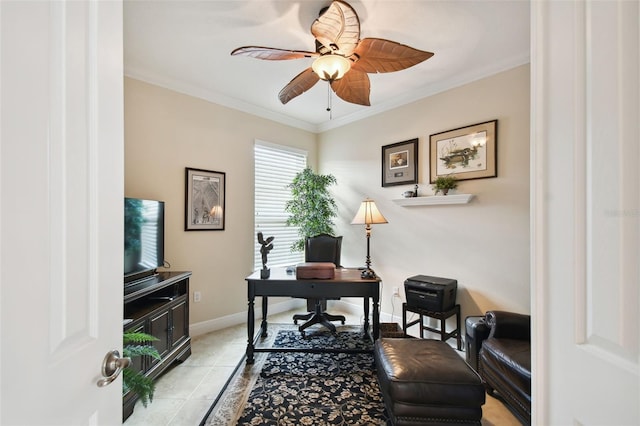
133	223
312	207
444	184
134	344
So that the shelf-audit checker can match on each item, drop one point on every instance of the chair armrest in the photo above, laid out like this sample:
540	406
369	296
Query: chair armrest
508	325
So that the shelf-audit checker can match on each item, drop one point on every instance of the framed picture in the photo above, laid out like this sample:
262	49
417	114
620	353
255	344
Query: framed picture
467	152
400	163
204	200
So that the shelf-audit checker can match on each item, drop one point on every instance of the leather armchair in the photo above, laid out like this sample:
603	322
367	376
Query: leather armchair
320	248
505	361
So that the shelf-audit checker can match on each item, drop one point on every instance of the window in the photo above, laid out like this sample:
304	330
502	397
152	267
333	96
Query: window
275	168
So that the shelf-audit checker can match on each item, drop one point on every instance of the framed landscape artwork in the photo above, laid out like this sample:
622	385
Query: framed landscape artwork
467	152
400	163
204	200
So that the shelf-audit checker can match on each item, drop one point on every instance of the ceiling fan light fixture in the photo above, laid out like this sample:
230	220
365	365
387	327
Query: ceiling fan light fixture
340	50
331	67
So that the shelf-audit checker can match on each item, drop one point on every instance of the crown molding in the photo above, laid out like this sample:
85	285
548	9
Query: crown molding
396	102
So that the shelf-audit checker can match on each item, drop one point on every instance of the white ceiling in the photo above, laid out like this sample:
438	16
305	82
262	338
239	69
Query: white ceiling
185	46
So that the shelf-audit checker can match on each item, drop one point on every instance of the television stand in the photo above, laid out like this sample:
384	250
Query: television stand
140	280
158	306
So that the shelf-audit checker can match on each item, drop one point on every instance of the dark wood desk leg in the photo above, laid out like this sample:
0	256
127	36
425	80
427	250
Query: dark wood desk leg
366	316
376	317
422	326
250	330
443	328
263	326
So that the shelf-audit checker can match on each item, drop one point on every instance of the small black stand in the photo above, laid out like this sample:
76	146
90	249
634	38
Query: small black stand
442	316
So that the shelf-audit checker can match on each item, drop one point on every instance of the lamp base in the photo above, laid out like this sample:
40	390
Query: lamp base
368	273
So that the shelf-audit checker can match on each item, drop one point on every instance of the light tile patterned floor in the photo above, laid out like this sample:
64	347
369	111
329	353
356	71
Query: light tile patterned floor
185	391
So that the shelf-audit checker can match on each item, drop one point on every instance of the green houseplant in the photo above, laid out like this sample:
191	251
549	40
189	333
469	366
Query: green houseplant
135	344
312	207
444	184
133	225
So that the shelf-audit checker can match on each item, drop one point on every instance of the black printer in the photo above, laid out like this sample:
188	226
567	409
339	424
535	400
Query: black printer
433	294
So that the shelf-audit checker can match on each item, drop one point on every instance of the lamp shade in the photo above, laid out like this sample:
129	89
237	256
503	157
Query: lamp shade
331	67
368	214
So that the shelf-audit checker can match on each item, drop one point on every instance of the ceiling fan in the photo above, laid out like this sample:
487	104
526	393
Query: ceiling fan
342	58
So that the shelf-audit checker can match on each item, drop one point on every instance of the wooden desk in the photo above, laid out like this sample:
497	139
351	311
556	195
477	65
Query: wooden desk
346	283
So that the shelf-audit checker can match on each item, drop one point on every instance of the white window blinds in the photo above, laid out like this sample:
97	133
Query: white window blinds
275	168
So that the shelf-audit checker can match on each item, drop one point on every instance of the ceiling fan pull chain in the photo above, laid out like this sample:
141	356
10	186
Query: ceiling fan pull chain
329	106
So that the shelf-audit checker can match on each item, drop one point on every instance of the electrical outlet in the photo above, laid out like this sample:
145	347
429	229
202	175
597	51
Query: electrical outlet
396	292
196	296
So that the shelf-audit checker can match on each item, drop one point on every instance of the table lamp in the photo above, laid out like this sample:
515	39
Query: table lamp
367	215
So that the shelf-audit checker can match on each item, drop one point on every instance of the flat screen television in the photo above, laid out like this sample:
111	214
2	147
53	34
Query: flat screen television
143	238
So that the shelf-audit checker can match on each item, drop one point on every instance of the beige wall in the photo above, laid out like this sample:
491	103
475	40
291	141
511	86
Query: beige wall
483	244
165	132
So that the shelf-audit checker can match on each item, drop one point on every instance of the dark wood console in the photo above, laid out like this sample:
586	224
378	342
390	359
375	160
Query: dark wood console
158	306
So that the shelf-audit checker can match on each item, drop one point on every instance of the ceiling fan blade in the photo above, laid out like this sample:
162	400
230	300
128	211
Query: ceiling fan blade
380	55
300	84
354	87
338	28
272	53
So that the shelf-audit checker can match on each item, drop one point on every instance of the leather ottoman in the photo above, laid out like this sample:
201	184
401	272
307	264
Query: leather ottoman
426	382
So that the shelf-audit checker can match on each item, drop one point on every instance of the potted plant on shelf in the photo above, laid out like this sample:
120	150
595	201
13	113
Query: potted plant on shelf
444	184
312	207
134	344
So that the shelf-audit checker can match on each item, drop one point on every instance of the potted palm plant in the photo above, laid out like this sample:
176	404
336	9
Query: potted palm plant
444	184
312	207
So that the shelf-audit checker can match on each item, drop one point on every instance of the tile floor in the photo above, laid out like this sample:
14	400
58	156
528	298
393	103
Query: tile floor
185	391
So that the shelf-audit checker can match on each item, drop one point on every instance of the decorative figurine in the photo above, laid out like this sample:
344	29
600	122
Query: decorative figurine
264	250
411	194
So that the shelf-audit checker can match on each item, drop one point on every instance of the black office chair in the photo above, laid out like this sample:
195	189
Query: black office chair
320	248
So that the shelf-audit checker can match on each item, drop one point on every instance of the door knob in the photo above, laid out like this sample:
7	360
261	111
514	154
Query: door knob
112	365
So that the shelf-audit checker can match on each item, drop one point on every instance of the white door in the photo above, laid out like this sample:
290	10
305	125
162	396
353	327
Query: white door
61	177
586	212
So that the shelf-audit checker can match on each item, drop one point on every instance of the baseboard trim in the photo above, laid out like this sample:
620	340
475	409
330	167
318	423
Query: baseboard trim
356	308
204	327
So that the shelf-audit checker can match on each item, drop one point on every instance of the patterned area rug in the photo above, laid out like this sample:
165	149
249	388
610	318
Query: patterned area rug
304	388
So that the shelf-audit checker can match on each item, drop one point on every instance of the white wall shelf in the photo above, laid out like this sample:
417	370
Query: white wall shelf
434	200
